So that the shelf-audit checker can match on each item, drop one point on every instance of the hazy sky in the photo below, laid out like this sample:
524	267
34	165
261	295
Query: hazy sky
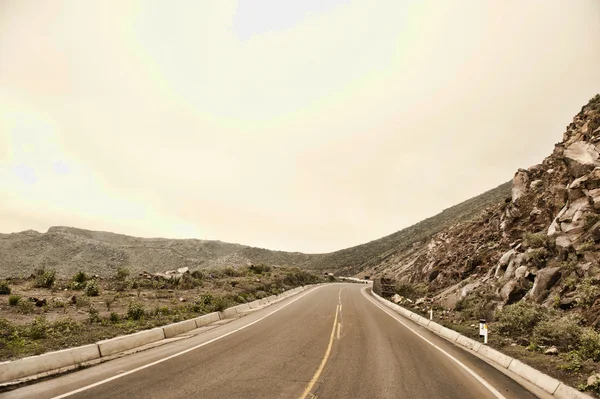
306	125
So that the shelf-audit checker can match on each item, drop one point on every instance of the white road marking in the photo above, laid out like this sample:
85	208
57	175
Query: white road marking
486	384
338	329
64	395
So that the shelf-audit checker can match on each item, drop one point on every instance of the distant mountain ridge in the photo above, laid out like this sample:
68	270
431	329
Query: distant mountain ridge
69	249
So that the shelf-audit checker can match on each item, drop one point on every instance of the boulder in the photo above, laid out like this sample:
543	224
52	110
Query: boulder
594	196
397	298
544	280
581	158
567	303
466	290
553	351
512	292
520	272
555	226
536	184
519	184
593	379
504	261
594	232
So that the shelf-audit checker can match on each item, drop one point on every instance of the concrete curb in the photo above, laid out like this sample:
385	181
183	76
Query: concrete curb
207	319
536	377
13	370
174	329
125	342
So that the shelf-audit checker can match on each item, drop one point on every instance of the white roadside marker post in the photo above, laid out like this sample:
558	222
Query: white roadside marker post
482	333
431	313
485	334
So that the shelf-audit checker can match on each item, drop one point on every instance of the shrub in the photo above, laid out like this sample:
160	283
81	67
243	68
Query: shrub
4	288
536	256
589	344
135	310
588	292
37	329
82	302
535	240
205	299
65	326
44	278
6	328
91	288
197	274
572	361
114	317
591	219
25	306
260	269
563	332
231	272
13	300
93	314
109	300
219	304
122	274
521	318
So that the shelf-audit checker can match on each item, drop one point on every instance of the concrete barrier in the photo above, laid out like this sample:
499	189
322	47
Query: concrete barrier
207	319
13	370
449	334
495	356
125	342
435	327
534	376
242	308
229	312
254	305
469	343
423	321
181	327
263	302
272	298
566	392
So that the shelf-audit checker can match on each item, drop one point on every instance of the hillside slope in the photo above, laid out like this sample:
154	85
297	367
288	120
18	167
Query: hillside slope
542	244
69	249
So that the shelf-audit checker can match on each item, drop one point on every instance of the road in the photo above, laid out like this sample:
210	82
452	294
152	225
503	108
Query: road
333	341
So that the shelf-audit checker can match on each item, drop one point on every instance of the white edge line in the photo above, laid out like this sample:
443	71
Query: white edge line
85	388
467	369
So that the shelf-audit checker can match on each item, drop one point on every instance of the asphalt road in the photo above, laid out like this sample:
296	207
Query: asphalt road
330	342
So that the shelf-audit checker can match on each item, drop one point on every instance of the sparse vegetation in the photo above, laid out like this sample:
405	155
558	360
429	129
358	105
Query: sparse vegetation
535	240
588	292
44	278
91	288
520	318
4	288
13	300
142	303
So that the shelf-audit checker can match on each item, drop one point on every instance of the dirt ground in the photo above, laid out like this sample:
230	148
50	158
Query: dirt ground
34	320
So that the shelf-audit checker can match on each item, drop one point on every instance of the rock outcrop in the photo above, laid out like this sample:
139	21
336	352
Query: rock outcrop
541	244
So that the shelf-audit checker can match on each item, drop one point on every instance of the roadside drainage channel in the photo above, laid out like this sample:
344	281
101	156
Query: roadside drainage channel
31	368
543	381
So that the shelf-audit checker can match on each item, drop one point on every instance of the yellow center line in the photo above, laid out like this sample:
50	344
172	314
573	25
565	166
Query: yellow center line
312	382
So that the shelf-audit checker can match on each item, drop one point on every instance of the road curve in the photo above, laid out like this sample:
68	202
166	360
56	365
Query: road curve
333	341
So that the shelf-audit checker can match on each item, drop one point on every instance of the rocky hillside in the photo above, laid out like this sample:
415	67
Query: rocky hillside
541	244
68	250
376	254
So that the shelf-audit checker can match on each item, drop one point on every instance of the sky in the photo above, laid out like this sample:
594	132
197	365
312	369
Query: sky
307	126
